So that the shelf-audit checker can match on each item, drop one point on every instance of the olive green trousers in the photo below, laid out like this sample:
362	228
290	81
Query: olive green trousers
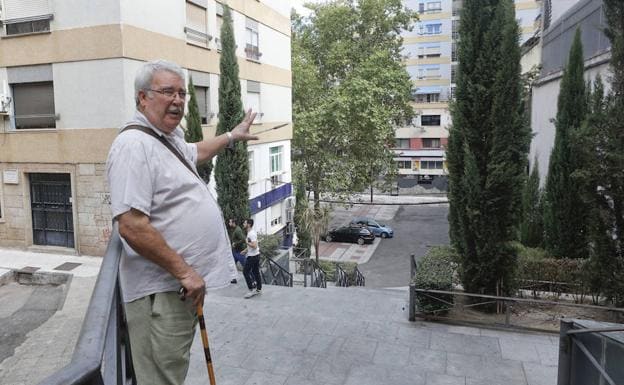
161	329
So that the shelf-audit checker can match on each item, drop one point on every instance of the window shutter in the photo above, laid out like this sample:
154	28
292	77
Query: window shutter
16	11
196	18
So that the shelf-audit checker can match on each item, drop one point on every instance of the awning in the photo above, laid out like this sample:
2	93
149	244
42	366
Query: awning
427	90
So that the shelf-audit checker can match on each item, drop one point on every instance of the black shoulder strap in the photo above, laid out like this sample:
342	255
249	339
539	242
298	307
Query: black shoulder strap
165	142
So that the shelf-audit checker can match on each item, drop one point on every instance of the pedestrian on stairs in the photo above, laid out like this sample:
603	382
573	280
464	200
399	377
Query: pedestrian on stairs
251	271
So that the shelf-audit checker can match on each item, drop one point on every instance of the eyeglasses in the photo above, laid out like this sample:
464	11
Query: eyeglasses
170	93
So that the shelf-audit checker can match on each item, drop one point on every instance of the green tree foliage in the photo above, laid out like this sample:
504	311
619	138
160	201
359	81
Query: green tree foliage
304	238
488	146
601	145
231	169
564	210
350	90
193	132
532	225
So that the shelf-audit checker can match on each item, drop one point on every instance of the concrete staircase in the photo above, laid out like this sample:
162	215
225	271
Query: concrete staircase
357	336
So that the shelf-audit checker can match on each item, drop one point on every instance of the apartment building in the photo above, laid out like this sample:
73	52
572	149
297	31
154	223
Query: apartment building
430	51
562	18
66	85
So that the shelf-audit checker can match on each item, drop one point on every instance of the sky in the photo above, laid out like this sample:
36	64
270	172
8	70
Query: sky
298	5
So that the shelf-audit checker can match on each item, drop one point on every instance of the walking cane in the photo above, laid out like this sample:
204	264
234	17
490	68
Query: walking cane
204	337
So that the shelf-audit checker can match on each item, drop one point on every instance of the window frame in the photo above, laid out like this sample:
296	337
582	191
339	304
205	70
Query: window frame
431	120
15	100
278	160
402	163
200	38
399	141
431	145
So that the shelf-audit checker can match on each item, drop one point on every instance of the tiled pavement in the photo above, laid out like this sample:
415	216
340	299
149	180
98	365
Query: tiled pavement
356	336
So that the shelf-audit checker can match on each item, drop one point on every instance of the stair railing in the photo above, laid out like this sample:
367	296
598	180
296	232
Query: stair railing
274	274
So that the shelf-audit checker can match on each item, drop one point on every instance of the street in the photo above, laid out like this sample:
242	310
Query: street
416	227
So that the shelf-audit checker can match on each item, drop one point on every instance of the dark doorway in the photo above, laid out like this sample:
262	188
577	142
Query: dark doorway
50	196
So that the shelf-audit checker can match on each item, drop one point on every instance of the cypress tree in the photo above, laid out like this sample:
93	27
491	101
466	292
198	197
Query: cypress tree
601	144
532	226
488	145
231	169
304	238
564	210
193	132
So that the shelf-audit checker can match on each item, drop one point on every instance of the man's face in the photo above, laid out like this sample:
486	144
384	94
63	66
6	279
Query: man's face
163	111
245	225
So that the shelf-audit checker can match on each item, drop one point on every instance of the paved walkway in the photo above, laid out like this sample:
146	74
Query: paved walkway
303	336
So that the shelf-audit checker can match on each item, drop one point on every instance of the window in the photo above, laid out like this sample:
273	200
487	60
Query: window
431	29
34	105
27	27
453	73
253	99
452	93
434	6
276	214
26	17
219	24
454	52
455	29
404	164
275	154
421	7
429	50
201	95
429	71
430	120
427	98
431	164
431	142
196	24
252	49
402	143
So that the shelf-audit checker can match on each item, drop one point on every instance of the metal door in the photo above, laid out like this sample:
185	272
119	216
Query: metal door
51	203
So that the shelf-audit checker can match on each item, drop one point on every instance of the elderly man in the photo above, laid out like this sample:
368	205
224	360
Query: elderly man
172	228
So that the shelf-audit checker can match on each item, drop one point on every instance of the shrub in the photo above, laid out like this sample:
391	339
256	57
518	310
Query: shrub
329	267
435	272
269	244
557	275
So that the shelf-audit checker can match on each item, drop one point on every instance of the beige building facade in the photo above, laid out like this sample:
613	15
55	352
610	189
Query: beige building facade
430	51
66	86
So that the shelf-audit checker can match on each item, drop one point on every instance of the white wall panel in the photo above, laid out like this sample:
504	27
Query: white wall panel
165	17
275	47
90	94
79	13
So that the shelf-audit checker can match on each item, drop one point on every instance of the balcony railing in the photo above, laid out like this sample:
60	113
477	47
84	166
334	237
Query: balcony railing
102	354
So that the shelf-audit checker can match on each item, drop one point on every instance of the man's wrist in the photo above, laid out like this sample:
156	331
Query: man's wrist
230	139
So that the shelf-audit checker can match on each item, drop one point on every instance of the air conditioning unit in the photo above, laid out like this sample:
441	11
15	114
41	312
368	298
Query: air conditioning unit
5	104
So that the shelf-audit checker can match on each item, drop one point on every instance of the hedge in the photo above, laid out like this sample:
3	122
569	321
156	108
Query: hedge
434	271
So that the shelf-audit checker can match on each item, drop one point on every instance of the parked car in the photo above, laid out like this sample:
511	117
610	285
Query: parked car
358	234
375	227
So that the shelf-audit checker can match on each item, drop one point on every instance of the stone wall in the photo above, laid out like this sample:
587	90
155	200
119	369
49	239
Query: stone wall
91	206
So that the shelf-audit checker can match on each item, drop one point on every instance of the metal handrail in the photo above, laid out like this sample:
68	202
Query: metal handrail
318	278
358	277
342	279
102	353
279	276
568	339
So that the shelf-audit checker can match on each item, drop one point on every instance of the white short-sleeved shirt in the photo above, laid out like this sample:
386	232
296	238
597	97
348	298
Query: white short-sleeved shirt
252	236
145	175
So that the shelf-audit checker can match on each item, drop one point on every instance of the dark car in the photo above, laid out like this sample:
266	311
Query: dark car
358	234
377	228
